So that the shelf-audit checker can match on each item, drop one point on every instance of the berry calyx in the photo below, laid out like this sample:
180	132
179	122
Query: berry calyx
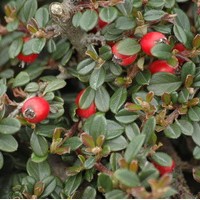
161	66
27	58
35	109
84	113
150	39
123	60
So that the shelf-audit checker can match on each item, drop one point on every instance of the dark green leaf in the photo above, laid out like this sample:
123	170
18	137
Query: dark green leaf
85	66
89	193
162	159
173	131
194	113
118	99
21	79
8	143
9	125
55	85
39	145
15	48
88	20
132	130
97	78
127	177
117	144
116	194
125	23
104	183
108	14
134	147
39	171
185	126
161	51
38	44
50	185
87	98
51	46
113	129
195	134
42	17
180	34
164	83
153	15
102	99
73	142
187	68
126	117
143	77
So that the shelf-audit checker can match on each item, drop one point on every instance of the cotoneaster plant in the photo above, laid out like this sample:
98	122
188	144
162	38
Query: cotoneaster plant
35	109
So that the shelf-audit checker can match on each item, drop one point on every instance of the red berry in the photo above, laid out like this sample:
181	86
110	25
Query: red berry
164	169
27	58
84	113
180	48
101	23
123	60
161	66
35	109
149	40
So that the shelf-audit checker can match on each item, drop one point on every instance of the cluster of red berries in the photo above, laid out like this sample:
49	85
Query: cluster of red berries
147	42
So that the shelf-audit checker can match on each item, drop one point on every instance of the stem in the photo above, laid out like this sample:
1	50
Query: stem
3	30
174	115
100	167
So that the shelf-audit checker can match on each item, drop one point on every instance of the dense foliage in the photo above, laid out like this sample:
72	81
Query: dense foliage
99	99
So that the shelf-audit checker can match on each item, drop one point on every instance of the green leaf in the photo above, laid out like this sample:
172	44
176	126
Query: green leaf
15	48
162	159
89	193
89	163
128	47
185	126
194	113
118	99
105	52
104	183
116	194
87	98
62	47
143	77
102	99
51	46
126	117
108	14
3	89
134	147
182	19
1	160
34	70
173	131
50	185
115	68
196	152
180	34
97	125
55	85
86	66
88	20
12	26
21	79
97	78
39	171
38	44
76	19
132	130
72	183
8	143
187	68
32	87
164	83
113	129
42	17
128	178
161	51
125	23
149	128
196	134
29	9
37	159
73	142
9	125
39	145
117	144
153	15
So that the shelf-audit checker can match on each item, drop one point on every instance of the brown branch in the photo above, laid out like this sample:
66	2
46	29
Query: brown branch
3	30
100	167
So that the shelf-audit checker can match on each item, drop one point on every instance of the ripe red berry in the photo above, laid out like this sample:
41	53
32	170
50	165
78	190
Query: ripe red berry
84	113
35	109
27	58
161	66
101	23
150	39
180	48
123	60
164	169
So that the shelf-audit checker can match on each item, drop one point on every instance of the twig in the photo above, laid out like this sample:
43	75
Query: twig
100	167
